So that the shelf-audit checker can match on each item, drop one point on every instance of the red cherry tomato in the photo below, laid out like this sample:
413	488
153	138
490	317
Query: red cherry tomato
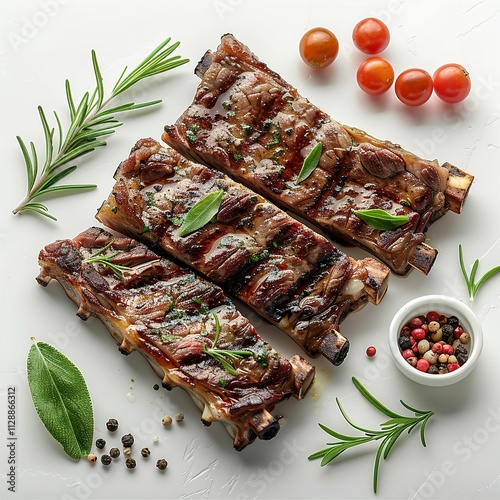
413	87
371	36
375	76
452	83
319	47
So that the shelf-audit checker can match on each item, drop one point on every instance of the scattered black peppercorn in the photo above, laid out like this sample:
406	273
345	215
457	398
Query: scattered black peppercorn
114	452
161	464
106	459
112	424
127	440
100	443
130	463
145	452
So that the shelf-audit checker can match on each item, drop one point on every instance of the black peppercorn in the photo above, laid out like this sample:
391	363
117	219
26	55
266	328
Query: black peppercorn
453	321
100	443
127	440
404	342
145	452
161	464
462	358
105	459
130	463
114	452
112	424
447	330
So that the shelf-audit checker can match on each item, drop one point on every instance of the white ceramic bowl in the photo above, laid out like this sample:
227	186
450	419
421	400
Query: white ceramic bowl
443	305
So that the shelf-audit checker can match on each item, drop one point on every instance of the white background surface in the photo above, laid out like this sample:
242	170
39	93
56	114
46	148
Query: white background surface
43	43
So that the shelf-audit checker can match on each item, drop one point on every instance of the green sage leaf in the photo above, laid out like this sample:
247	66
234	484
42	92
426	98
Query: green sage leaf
310	163
201	213
61	398
380	219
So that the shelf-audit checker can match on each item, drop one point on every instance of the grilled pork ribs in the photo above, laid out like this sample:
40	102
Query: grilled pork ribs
174	318
289	274
246	121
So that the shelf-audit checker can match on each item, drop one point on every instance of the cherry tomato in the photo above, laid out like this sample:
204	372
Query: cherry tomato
452	83
319	47
371	36
375	76
413	87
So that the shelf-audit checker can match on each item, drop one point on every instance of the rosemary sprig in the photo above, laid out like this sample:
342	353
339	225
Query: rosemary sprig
99	257
90	122
472	286
389	432
225	357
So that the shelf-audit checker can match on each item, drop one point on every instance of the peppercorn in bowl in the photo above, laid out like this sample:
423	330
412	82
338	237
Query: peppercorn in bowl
435	340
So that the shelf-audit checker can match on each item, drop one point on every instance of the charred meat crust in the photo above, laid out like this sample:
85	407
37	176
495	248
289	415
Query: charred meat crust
276	265
169	315
248	122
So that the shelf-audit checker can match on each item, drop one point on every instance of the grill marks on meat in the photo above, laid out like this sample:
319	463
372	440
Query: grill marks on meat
276	265
248	122
167	313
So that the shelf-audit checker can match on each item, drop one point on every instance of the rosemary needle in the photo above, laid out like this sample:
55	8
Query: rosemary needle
90	121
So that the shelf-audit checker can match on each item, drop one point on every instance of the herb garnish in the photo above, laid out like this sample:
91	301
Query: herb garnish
201	213
99	257
61	398
225	357
310	163
473	287
380	219
90	121
389	433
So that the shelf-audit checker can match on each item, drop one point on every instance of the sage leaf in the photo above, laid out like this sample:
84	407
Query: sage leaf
380	219
310	163
61	398
201	213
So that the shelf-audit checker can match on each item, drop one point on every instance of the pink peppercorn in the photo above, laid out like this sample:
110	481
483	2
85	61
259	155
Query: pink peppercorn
423	365
418	334
371	351
452	367
457	332
448	349
432	316
437	348
408	353
415	322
